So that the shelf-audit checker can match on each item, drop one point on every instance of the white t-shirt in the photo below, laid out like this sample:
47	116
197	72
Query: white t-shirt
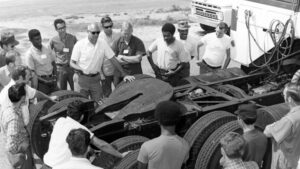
77	163
167	152
5	101
169	56
90	57
190	45
58	151
110	40
215	51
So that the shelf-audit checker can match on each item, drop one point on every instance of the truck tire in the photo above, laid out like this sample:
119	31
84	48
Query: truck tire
64	94
231	91
202	129
129	161
65	102
207	28
270	114
210	154
123	144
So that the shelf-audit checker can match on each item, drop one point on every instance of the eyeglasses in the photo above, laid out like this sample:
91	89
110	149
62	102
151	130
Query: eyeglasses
62	28
94	33
106	27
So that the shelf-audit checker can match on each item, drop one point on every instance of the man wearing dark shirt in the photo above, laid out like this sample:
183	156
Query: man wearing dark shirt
129	50
255	139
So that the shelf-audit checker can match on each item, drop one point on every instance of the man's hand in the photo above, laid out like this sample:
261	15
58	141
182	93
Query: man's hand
125	153
53	98
128	78
169	73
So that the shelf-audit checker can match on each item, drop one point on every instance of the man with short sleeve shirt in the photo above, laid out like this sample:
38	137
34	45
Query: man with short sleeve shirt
41	60
129	50
172	58
87	59
217	50
62	45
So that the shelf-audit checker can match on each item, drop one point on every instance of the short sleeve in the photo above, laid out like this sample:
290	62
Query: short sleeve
204	39
280	129
114	46
30	92
143	155
183	55
76	52
153	46
109	53
140	47
228	42
29	60
78	125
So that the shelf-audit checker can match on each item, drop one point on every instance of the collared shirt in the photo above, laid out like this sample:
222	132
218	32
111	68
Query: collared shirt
286	133
63	47
239	164
4	75
169	56
77	163
133	48
215	50
110	39
190	45
14	128
5	101
90	57
40	60
59	151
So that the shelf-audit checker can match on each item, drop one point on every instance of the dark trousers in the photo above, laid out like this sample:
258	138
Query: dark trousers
205	68
65	76
177	78
47	88
106	85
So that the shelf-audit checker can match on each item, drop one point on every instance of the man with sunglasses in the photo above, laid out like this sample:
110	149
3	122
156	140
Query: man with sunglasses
129	50
110	36
87	60
8	43
62	44
217	50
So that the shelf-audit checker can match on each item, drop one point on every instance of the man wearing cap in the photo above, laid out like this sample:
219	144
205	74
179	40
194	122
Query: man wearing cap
172	58
217	50
168	151
62	44
129	50
110	36
87	60
41	60
7	43
5	71
256	141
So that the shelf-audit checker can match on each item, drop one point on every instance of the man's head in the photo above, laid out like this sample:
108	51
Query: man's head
21	74
168	113
93	31
17	93
247	114
35	38
76	110
221	29
291	94
183	29
168	31
8	41
107	25
78	141
126	30
60	27
232	145
10	58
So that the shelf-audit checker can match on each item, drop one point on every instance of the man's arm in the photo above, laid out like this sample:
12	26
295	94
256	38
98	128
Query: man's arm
54	72
117	65
74	65
227	59
153	65
104	146
43	96
131	59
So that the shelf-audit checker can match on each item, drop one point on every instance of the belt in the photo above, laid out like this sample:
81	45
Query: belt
45	76
90	75
59	64
212	67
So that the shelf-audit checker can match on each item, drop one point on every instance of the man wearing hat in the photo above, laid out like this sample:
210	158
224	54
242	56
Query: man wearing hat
110	36
168	151
256	141
7	43
172	58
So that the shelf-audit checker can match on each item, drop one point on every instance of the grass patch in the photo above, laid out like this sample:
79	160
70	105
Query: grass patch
15	31
173	8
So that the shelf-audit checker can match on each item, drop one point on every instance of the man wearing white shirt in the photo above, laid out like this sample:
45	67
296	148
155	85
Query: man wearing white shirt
172	58
87	60
20	75
217	50
5	71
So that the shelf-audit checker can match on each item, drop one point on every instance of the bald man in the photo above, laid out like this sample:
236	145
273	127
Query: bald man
129	50
87	60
